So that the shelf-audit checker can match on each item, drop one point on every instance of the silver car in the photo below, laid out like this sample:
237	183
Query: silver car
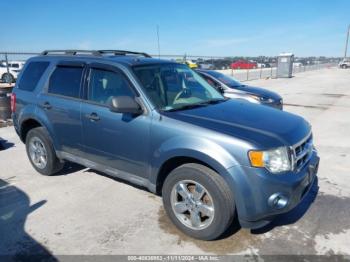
231	88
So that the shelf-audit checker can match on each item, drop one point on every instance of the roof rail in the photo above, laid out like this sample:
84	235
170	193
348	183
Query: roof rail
70	52
93	52
123	52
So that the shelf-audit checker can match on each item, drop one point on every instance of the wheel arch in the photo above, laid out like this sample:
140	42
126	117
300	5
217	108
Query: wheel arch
29	120
26	126
190	157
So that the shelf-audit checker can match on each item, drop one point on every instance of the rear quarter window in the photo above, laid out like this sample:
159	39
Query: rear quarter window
31	75
65	81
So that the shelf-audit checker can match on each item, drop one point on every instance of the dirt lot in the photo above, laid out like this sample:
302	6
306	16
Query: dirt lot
83	212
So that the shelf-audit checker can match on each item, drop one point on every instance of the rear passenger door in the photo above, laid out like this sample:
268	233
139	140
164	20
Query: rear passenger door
61	103
116	141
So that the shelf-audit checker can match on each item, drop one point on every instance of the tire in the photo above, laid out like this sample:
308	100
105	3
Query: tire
37	136
344	66
218	197
7	78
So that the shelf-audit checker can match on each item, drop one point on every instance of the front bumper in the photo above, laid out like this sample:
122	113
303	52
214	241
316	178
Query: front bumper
255	186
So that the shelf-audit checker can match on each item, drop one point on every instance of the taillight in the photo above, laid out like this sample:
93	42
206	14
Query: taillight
13	102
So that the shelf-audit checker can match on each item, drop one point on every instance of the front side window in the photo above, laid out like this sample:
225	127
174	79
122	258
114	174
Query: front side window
32	75
65	81
211	81
175	86
105	84
229	81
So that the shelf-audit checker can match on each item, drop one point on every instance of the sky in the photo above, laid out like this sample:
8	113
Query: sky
203	27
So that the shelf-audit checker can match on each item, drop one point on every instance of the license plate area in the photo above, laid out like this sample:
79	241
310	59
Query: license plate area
311	172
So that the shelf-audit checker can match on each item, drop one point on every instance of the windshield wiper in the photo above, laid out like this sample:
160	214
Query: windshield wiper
213	101
200	104
190	106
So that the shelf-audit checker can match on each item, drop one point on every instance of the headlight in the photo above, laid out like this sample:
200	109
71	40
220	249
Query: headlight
275	160
262	99
268	100
257	98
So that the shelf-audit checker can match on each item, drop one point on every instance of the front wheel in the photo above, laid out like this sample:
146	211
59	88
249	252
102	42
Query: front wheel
344	66
198	201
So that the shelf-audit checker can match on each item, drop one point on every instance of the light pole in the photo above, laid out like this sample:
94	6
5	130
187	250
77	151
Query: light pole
158	41
347	42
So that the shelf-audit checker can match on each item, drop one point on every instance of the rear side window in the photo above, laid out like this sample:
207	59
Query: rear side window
65	81
32	75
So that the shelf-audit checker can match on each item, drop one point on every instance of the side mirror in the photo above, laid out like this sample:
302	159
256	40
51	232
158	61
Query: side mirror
124	104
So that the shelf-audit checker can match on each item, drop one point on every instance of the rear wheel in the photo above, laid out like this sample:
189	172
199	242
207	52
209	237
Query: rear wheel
198	201
41	153
344	66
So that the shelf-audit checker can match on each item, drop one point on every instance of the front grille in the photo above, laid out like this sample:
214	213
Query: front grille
302	152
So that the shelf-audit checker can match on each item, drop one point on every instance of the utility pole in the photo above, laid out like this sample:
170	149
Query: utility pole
7	67
158	41
347	42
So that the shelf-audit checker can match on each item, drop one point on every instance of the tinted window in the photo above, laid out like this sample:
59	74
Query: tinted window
229	81
65	81
210	81
32	75
106	84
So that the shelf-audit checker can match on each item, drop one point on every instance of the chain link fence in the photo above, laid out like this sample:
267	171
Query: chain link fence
12	62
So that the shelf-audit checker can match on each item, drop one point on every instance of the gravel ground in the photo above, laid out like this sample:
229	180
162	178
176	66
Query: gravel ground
84	212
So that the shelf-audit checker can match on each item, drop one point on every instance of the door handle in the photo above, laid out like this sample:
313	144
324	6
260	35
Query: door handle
93	117
47	105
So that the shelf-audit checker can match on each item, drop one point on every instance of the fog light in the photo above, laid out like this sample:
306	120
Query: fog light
278	201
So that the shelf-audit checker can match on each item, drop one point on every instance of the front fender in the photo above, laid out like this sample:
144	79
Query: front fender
201	149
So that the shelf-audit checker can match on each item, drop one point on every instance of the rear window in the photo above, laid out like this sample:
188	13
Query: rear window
65	81
32	75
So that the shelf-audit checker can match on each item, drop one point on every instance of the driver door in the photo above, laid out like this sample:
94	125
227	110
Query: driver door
118	141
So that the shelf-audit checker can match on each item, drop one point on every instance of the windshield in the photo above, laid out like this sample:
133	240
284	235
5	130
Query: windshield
229	81
175	86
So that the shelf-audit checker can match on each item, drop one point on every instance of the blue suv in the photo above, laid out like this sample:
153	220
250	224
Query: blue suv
158	124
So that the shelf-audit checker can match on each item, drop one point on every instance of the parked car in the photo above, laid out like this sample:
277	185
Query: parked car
297	64
242	64
204	65
345	63
160	125
222	64
232	88
191	64
14	64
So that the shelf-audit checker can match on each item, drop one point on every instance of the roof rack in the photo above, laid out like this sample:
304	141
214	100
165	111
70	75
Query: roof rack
93	52
70	52
123	52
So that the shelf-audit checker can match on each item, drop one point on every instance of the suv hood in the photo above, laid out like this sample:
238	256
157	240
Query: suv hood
256	91
260	125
